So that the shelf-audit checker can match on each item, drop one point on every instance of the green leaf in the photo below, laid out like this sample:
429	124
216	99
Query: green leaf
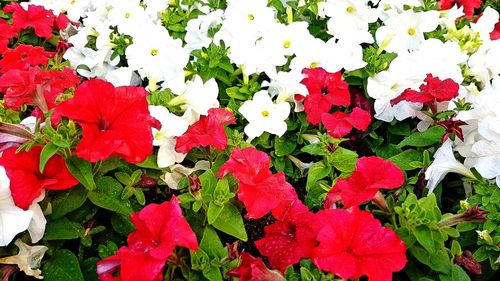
63	266
405	159
48	151
208	182
62	229
82	171
424	139
440	261
122	224
89	269
211	244
107	195
458	274
284	146
456	249
68	200
213	212
317	171
230	221
424	237
314	149
124	178
344	160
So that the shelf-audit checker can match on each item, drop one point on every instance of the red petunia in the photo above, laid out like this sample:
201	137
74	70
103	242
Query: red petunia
23	57
435	90
340	124
287	242
19	87
150	245
325	89
26	181
259	189
371	174
468	5
209	130
7	32
353	244
254	269
154	225
36	17
495	34
114	121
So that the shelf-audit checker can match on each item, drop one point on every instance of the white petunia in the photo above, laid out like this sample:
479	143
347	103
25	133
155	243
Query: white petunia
444	163
285	86
198	96
197	30
178	172
171	126
405	31
264	115
13	220
27	259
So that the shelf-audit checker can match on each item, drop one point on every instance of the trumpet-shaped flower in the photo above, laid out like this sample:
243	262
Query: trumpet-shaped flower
264	115
444	163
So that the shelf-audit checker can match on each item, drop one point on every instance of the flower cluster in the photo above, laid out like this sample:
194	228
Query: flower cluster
260	140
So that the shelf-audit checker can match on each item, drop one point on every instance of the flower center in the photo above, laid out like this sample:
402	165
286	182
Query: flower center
412	31
103	125
250	17
265	113
154	52
287	44
313	64
127	15
350	9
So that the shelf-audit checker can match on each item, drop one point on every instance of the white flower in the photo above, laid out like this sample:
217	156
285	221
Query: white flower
158	57
123	76
13	220
285	86
129	17
197	30
485	158
28	259
198	96
349	20
264	115
406	30
178	172
171	126
444	163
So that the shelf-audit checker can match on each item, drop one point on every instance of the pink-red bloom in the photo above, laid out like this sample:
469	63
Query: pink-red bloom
259	189
23	57
352	243
7	32
114	121
159	229
36	17
371	174
435	90
208	131
339	124
287	241
26	181
495	34
468	5
325	90
254	269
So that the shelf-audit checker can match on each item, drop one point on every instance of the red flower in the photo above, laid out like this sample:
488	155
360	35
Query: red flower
358	99
371	174
154	225
452	127
37	17
435	90
353	243
469	6
340	124
114	121
247	165
209	130
495	34
19	87
286	242
325	89
150	245
23	57
259	189
26	181
7	32
254	269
